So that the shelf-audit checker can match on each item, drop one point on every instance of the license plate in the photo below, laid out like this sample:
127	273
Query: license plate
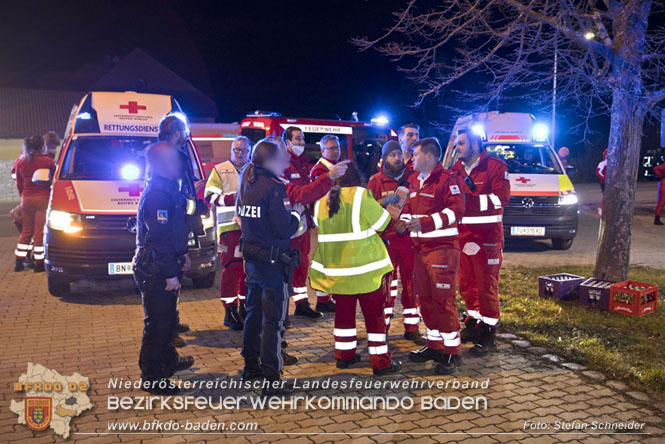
120	268
527	231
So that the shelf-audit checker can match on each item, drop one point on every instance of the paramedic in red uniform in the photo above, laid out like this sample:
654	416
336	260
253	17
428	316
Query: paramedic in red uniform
300	189
330	154
486	185
34	171
659	171
431	215
407	136
383	186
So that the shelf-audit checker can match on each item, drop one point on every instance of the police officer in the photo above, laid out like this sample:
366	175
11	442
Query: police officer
267	221
161	257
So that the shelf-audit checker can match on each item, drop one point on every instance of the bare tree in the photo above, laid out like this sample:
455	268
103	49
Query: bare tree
610	61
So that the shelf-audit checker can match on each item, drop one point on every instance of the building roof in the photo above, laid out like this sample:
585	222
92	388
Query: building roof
26	112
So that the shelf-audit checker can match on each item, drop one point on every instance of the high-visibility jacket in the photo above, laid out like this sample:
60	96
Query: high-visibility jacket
483	215
220	190
350	257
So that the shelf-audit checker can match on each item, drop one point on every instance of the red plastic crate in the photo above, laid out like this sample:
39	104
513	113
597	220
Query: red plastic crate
634	298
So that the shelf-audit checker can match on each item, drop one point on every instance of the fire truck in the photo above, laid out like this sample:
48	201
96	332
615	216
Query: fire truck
358	140
543	203
91	220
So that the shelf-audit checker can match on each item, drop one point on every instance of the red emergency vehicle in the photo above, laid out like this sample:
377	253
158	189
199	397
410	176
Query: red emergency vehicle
91	220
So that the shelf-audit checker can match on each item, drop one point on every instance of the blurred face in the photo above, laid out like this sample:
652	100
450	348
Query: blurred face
408	138
422	162
278	164
465	152
330	150
382	138
51	148
395	161
239	152
297	138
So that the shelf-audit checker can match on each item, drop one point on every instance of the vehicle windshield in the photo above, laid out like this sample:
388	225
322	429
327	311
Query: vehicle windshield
526	159
253	134
111	158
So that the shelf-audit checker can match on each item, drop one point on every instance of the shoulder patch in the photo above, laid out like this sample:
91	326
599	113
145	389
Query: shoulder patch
454	189
162	216
287	204
506	175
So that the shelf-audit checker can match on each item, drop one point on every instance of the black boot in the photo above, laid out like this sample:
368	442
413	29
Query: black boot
341	363
182	328
232	318
393	368
178	341
39	267
326	307
252	369
277	387
18	265
486	340
242	311
416	337
289	359
657	221
448	365
183	363
426	354
303	309
470	331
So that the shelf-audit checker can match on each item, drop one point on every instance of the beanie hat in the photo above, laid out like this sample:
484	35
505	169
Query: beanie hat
388	148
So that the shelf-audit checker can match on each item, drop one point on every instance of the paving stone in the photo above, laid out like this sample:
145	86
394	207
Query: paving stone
617	385
573	366
521	343
552	358
506	336
640	396
594	375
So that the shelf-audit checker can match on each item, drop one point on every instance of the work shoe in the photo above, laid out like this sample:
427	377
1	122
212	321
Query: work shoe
486	340
18	265
288	325
178	341
242	310
39	267
448	365
284	388
303	309
167	390
288	359
393	368
470	331
343	363
252	369
426	354
657	221
326	307
183	363
232	318
416	337
182	328
284	344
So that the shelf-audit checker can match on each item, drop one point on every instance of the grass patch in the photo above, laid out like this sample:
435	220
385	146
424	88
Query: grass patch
628	348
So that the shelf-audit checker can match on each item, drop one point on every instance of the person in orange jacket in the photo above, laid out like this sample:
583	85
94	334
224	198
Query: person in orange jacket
659	171
431	215
34	172
383	186
486	186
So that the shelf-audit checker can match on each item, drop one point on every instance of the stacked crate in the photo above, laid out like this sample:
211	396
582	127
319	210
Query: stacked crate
633	298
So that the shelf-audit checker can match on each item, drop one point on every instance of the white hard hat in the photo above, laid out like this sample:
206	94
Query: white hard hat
42	176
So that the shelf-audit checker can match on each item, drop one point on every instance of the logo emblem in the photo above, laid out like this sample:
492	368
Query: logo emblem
524	180
162	216
38	412
133	107
134	189
527	202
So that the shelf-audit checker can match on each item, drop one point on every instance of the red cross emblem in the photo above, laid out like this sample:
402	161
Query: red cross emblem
133	107
524	180
134	189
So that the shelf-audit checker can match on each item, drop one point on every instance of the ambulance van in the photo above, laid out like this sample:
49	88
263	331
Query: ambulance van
543	203
91	220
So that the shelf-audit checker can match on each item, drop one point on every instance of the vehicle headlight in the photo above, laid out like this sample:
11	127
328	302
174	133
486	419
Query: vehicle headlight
209	220
63	221
568	199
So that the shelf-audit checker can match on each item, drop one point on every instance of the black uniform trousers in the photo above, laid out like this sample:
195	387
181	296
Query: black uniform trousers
266	304
158	355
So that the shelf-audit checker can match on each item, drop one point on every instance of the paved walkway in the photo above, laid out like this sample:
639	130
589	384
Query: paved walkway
95	331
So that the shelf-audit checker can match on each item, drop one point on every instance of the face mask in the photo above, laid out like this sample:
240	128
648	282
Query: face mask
297	149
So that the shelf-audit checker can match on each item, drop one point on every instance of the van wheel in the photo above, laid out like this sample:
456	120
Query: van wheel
57	286
562	244
206	281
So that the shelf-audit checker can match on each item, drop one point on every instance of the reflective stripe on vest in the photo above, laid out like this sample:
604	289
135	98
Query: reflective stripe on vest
191	206
357	232
351	271
481	219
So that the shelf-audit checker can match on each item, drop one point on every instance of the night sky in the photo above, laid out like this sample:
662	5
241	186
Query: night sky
294	57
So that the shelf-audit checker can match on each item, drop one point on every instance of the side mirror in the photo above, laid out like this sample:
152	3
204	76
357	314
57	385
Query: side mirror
571	171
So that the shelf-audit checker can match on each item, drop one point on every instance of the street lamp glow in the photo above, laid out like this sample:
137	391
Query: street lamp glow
589	35
381	120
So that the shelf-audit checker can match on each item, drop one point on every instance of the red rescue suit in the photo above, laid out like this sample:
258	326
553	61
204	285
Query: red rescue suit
34	202
659	171
401	254
481	235
323	166
438	202
300	189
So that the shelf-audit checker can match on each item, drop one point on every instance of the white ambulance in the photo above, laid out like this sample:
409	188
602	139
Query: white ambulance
543	203
91	221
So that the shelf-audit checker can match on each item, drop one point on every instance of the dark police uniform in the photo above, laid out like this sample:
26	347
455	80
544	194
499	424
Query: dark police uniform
161	227
267	224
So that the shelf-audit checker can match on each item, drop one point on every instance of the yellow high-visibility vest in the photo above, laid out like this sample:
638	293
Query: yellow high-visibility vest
350	257
224	180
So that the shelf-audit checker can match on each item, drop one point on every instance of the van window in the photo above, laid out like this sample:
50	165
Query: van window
253	134
526	159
